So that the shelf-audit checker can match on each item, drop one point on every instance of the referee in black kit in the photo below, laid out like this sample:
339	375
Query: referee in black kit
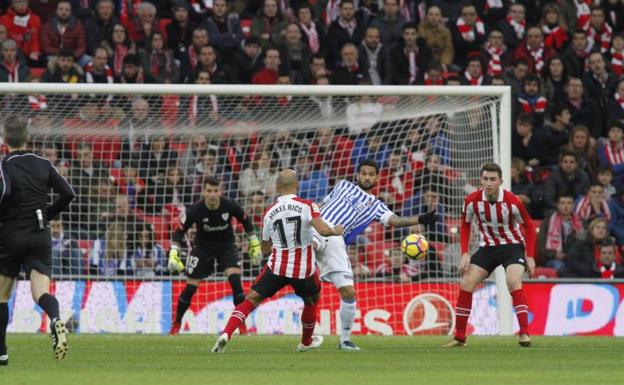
25	240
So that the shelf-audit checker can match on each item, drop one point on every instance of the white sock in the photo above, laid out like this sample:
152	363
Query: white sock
347	315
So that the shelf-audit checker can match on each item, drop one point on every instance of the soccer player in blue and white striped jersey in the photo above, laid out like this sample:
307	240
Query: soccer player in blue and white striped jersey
354	207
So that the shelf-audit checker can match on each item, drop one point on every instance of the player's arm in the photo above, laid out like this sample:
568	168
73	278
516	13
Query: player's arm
529	233
174	262
64	190
428	218
267	248
320	225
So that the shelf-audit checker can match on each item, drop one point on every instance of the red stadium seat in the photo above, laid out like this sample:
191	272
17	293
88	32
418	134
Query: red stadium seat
246	27
160	226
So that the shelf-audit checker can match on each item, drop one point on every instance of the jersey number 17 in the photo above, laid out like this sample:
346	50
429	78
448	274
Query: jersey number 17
278	226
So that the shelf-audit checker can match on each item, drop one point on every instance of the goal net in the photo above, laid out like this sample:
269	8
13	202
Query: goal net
137	155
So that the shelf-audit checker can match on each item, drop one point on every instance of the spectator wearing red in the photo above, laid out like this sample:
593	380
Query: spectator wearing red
268	74
199	109
616	53
118	45
514	26
11	70
141	27
97	70
408	59
99	27
607	265
598	30
189	57
158	61
346	29
611	153
531	100
593	205
313	32
24	27
469	34
554	27
557	233
585	251
495	54
534	51
473	75
64	31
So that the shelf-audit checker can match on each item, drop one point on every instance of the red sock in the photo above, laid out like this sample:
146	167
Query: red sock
522	310
238	317
308	322
462	312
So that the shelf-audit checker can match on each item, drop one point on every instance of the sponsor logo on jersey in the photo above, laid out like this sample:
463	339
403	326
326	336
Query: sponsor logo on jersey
429	313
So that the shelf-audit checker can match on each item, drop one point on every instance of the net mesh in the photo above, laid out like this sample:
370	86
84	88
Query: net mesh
136	161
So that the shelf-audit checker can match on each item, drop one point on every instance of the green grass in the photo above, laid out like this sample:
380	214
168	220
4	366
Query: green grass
183	360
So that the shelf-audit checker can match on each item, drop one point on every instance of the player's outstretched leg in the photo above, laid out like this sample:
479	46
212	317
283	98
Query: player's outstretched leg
237	318
308	322
184	302
347	316
238	295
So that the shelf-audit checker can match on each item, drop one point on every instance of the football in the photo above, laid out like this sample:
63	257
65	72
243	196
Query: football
415	246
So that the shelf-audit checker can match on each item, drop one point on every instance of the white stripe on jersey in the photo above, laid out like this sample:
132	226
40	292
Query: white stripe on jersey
353	208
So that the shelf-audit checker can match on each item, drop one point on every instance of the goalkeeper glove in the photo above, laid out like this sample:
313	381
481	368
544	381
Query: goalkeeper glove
255	252
428	218
175	263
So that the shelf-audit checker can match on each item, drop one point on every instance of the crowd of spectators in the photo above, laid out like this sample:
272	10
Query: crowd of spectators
562	58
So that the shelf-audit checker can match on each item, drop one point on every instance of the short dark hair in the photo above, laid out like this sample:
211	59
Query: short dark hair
132	58
604	170
565	153
368	162
211	181
347	1
565	195
66	52
531	78
15	131
492	167
525	117
557	110
410	25
251	40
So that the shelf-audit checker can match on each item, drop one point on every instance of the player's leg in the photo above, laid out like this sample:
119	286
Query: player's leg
473	277
40	289
514	271
233	275
309	290
184	302
6	288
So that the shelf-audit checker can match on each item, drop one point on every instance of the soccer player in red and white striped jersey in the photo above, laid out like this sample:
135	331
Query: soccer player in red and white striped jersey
287	241
498	214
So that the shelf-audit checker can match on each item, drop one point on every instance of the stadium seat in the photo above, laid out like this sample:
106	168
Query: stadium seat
245	25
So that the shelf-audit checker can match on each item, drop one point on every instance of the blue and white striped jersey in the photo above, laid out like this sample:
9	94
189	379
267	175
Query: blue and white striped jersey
353	208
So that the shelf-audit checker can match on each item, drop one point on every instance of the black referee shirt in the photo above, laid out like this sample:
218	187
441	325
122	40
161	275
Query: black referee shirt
25	181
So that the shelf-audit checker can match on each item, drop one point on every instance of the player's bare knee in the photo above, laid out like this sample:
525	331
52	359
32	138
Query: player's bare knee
254	297
347	293
514	284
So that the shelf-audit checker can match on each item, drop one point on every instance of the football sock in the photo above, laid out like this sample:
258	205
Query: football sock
50	305
4	323
238	317
184	301
308	322
462	311
237	289
347	315
522	310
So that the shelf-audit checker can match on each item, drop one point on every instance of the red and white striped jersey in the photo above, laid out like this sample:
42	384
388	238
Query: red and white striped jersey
498	222
288	225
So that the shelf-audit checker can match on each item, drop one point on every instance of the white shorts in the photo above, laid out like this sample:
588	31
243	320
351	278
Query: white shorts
333	261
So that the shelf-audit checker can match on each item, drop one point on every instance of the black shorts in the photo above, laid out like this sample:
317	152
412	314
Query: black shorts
22	245
267	284
201	263
489	258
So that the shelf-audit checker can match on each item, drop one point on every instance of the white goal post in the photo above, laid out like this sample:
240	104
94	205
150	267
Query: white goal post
462	126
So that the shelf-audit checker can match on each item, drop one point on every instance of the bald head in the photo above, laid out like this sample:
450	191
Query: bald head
287	182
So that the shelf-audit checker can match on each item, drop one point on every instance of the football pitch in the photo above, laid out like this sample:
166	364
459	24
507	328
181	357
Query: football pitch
186	359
